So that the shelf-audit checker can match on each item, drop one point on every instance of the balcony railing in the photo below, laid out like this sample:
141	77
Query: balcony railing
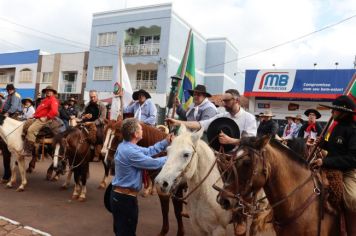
142	49
149	85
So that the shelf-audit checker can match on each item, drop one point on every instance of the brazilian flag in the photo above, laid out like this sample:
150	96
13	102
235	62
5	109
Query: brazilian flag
188	81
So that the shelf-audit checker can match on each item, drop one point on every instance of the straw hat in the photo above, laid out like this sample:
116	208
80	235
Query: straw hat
267	113
49	87
298	117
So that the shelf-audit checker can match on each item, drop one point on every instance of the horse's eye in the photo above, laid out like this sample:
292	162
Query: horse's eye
186	155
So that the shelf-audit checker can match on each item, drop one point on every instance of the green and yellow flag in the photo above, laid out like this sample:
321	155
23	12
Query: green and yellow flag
188	81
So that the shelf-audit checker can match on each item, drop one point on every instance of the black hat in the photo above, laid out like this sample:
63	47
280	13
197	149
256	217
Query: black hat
10	87
318	115
107	198
226	125
199	89
72	100
343	103
49	87
23	101
141	91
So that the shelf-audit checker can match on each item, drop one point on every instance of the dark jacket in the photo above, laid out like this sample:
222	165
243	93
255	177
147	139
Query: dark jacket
269	127
318	129
341	147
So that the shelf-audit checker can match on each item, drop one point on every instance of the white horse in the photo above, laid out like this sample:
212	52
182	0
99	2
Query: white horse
190	158
11	132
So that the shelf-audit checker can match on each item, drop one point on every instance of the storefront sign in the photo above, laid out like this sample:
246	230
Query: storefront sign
297	83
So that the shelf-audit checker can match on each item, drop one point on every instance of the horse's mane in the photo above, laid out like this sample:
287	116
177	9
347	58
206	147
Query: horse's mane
151	135
252	142
289	151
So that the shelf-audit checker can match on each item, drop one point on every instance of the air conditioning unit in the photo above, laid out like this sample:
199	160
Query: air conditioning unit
131	31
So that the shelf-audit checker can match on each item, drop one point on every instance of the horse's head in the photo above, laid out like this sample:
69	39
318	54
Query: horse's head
244	174
182	160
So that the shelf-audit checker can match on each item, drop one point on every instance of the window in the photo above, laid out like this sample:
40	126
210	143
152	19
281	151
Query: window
106	39
146	79
47	77
69	82
148	39
26	76
103	73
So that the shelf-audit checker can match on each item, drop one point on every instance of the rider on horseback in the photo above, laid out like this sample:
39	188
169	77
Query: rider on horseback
45	113
95	111
12	106
340	142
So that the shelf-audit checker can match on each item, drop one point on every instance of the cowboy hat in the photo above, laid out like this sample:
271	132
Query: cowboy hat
23	101
141	91
298	117
267	113
290	117
317	114
226	125
49	87
199	89
72	100
107	198
259	114
343	103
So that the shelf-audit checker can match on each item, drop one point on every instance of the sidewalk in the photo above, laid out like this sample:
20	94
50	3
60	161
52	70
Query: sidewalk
12	228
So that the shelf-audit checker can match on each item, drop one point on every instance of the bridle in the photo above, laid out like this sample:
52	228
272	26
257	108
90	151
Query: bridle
252	209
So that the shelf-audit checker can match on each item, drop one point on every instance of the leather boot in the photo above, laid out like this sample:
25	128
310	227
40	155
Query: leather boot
28	147
350	218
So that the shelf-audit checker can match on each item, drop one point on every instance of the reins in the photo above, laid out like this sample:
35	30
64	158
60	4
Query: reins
14	129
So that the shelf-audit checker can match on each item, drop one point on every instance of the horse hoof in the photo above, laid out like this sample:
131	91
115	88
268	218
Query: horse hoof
9	186
144	194
20	189
48	177
4	181
55	178
102	186
82	199
75	197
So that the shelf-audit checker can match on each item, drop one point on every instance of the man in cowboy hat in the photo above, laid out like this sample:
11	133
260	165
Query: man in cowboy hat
340	143
202	108
28	110
44	114
298	120
289	129
311	129
142	107
12	106
267	126
246	121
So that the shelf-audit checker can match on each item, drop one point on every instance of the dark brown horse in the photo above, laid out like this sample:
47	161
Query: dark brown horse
291	188
75	146
151	135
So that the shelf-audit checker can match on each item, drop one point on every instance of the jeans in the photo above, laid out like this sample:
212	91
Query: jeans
125	214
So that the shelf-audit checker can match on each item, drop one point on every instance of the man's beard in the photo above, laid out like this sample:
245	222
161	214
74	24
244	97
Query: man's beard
228	109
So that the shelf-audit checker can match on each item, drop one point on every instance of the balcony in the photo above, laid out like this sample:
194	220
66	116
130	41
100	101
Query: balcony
149	85
151	49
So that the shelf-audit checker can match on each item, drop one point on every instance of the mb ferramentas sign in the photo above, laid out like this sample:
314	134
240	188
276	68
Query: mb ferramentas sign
307	88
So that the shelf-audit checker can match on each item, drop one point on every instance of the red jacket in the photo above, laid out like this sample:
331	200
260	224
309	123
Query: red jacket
47	108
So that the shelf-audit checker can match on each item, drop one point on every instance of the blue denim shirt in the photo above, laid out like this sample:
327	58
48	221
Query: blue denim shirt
130	159
148	111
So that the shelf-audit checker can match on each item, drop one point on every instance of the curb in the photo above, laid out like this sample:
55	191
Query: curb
37	231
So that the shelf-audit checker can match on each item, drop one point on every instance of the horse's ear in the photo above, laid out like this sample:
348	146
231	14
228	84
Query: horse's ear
263	141
182	129
197	135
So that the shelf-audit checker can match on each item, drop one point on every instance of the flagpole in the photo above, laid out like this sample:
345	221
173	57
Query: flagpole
121	85
182	71
326	127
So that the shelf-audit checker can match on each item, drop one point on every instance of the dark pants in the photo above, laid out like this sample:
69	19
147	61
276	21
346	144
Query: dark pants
6	160
125	213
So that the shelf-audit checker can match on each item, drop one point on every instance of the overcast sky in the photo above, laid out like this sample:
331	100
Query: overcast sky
251	25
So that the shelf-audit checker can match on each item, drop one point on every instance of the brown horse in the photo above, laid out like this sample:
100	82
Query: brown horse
75	146
151	135
290	187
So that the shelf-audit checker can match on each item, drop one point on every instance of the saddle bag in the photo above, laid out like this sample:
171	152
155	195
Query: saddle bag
350	190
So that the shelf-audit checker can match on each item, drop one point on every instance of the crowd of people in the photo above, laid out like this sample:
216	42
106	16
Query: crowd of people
130	158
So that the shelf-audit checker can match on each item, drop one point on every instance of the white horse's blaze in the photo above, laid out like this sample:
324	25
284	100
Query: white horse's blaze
56	156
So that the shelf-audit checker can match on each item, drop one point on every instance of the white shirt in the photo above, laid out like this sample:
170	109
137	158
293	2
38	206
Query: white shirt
245	120
291	132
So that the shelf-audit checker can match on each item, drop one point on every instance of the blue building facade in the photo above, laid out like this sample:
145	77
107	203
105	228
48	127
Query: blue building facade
153	41
20	69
